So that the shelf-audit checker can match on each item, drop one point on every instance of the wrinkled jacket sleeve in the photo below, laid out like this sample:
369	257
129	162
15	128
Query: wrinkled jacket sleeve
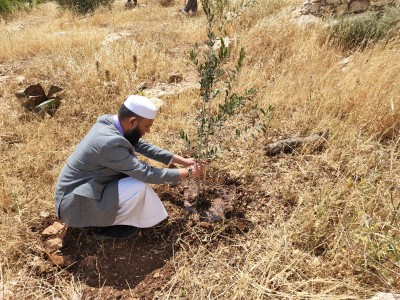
120	159
153	152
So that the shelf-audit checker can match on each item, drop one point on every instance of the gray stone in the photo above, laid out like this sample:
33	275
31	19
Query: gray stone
342	7
385	296
111	38
358	6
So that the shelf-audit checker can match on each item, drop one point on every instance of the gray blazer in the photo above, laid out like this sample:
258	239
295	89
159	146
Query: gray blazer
86	192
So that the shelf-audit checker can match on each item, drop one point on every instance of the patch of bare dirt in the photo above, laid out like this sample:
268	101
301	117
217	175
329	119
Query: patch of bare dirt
139	267
116	266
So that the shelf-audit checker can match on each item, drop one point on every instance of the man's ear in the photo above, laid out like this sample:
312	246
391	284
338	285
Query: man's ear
133	121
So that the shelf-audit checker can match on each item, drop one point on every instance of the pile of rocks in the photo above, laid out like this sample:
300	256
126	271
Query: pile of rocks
34	98
342	7
53	242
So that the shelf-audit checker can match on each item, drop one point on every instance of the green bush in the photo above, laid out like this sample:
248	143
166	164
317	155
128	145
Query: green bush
10	6
83	6
357	33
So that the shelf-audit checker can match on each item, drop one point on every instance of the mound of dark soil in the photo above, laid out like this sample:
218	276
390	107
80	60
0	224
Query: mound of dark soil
139	267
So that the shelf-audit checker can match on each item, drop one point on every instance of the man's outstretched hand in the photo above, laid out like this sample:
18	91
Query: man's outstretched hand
188	162
185	162
194	167
197	168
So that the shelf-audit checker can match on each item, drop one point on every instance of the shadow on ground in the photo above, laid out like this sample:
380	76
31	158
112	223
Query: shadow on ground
122	264
139	267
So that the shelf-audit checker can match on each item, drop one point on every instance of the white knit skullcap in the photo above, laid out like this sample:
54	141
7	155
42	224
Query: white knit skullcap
141	106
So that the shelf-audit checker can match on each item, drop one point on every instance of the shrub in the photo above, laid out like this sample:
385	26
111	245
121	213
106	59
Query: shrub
83	6
357	33
10	6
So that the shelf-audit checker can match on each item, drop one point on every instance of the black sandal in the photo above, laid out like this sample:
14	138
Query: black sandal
121	232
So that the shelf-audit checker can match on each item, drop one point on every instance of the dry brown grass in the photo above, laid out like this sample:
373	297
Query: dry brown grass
338	237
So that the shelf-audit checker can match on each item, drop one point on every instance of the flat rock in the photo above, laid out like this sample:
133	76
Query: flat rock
53	244
61	260
53	229
341	7
113	37
358	6
217	212
385	296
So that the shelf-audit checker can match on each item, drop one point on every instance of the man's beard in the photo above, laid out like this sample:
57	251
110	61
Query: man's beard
133	136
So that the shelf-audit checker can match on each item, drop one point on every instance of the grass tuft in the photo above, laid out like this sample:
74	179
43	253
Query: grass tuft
360	32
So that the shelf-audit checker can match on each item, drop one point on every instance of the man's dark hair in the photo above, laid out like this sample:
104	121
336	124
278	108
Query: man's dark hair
124	113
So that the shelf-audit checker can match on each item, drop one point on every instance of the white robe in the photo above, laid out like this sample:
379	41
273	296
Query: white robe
138	204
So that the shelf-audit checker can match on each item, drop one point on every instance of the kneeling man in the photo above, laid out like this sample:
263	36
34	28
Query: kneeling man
104	185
